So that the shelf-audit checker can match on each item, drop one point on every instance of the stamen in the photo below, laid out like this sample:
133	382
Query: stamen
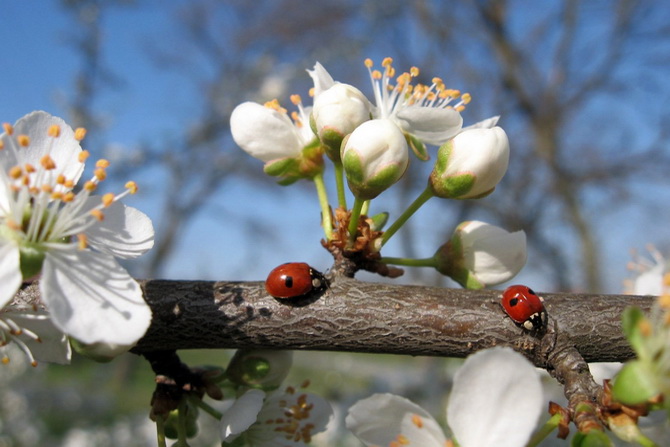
100	174
15	172
295	99
29	168
48	163
108	199
132	187
79	134
368	62
98	214
83	155
8	128
68	197
24	140
5	360
60	180
102	163
54	131
416	420
82	241
90	186
274	105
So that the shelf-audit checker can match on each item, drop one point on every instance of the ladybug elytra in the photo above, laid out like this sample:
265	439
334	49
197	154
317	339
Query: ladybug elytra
293	280
524	307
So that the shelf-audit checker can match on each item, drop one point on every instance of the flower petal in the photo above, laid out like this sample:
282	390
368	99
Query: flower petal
10	271
499	390
125	232
322	79
487	123
64	149
242	414
383	419
52	346
92	298
264	133
430	125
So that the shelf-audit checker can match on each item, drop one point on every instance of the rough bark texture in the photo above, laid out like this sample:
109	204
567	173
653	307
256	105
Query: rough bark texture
361	316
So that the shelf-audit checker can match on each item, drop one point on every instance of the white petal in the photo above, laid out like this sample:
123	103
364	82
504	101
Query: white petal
64	150
53	346
381	418
430	125
125	232
488	123
496	400
498	259
322	79
92	298
241	415
264	133
10	271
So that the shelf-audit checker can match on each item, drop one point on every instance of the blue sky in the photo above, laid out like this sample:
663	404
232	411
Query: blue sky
150	103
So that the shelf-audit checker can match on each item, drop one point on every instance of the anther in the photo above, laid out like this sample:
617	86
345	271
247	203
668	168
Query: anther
100	174
15	172
295	99
83	155
24	140
54	131
82	241
416	420
131	186
48	163
98	214
79	133
107	199
90	186
368	62
8	128
102	163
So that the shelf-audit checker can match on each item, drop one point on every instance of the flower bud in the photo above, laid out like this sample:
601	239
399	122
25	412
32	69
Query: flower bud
374	156
471	164
336	113
261	368
480	255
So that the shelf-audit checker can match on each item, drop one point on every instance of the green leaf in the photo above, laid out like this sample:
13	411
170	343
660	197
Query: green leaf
418	147
630	321
379	220
635	383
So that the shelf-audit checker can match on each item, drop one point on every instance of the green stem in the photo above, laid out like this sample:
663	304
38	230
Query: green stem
160	431
325	206
339	181
404	217
425	262
353	223
216	414
181	423
366	207
545	430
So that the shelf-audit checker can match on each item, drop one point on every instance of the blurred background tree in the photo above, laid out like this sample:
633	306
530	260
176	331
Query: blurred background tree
155	84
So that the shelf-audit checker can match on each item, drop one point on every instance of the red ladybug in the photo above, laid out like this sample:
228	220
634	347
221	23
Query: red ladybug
524	307
294	279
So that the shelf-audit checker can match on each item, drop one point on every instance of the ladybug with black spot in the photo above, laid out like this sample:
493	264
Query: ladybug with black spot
524	307
294	280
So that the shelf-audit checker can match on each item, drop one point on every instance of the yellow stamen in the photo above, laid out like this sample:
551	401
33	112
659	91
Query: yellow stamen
48	163
108	199
416	420
311	92
132	187
54	131
98	214
8	128
56	195
100	174
274	105
402	439
60	180
376	74
68	197
29	168
15	173
387	62
102	163
82	241
24	140
90	186
466	98
414	72
79	133
47	189
69	183
368	62
12	225
5	360
295	99
83	155
2	145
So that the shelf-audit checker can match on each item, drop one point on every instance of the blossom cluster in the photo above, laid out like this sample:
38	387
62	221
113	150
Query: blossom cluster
56	230
369	144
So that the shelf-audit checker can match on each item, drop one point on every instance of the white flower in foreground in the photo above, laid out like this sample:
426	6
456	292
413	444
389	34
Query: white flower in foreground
495	402
34	333
374	156
71	238
267	133
336	113
480	255
264	420
321	78
428	113
471	165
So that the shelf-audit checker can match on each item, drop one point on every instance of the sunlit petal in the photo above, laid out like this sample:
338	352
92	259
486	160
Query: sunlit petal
10	272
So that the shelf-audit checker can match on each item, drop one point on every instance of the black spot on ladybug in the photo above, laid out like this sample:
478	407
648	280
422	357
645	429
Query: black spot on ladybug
513	302
288	281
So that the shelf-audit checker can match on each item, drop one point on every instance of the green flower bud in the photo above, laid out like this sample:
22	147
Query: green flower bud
374	156
471	164
264	369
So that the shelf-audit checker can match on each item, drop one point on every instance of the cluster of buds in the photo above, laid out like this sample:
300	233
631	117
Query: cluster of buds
368	143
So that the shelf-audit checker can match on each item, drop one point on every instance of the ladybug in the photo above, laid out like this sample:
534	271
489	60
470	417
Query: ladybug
293	280
524	307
